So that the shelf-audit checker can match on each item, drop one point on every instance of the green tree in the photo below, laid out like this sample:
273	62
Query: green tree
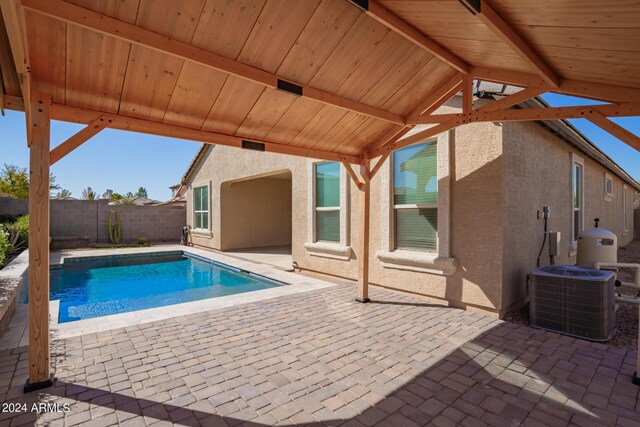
130	195
142	192
119	199
63	194
14	181
89	194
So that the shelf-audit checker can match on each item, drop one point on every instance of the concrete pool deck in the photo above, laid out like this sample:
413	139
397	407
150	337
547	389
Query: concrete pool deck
17	332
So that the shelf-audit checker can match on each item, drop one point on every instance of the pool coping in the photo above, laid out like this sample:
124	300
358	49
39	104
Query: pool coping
293	284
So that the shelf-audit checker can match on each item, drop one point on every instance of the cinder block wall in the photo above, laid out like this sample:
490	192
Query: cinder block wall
89	218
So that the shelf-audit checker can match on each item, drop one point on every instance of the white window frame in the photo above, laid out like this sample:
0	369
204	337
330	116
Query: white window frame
333	250
202	231
441	262
608	195
576	160
392	231
625	215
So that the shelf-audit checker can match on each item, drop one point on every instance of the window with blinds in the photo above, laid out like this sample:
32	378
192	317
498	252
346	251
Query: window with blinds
327	202
201	207
415	197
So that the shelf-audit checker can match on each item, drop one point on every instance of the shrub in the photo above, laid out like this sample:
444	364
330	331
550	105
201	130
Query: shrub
5	246
18	232
142	241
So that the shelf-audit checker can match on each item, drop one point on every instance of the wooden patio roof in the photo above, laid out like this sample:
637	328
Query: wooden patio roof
325	78
329	79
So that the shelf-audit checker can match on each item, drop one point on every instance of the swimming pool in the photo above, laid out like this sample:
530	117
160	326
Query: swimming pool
89	288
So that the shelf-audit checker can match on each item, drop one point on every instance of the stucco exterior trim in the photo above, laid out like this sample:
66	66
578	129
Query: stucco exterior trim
328	250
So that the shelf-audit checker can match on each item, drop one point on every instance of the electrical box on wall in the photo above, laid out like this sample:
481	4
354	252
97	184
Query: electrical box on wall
554	243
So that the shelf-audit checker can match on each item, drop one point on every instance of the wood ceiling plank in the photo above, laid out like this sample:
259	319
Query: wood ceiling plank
47	48
198	87
151	76
327	27
414	35
364	36
123	10
9	74
414	90
278	26
586	13
294	120
379	64
610	39
369	130
319	126
340	130
265	113
104	59
234	102
494	21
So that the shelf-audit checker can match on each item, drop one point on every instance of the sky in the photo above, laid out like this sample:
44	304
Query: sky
123	161
117	160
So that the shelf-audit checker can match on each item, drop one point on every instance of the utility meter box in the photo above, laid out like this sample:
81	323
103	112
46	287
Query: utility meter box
573	301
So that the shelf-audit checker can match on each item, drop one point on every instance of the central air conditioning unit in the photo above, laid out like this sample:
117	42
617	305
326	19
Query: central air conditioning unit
573	301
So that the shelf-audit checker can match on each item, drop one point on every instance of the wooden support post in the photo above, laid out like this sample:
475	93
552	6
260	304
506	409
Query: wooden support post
636	374
39	375
467	94
364	196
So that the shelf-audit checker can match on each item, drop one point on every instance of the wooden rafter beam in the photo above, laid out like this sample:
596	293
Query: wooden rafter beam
453	122
13	16
66	113
489	17
546	113
104	24
591	90
398	25
614	129
442	93
513	99
79	138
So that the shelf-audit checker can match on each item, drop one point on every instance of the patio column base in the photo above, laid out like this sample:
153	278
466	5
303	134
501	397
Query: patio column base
29	387
636	379
362	300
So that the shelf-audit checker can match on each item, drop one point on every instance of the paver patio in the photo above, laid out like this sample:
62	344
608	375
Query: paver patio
320	357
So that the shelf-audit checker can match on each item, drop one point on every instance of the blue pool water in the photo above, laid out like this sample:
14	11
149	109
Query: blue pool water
95	288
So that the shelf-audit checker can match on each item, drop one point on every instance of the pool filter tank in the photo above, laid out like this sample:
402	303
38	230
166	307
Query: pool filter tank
596	245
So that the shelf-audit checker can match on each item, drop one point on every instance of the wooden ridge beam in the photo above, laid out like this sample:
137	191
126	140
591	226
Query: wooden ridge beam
79	138
615	129
104	24
513	99
489	17
591	90
533	114
399	26
67	113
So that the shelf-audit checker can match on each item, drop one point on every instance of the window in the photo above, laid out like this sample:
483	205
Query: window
624	209
415	197
608	187
327	202
578	184
201	207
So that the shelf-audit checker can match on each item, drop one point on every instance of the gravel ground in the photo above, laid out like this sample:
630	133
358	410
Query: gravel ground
626	335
